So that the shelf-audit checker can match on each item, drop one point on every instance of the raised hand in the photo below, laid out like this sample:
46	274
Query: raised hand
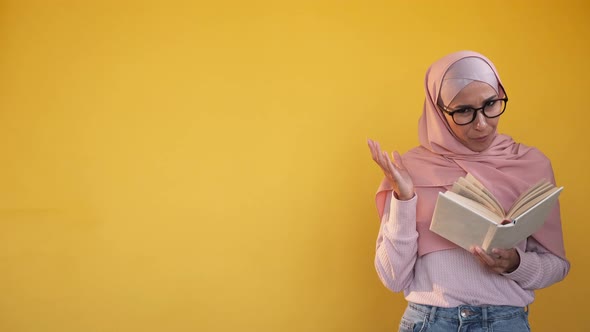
394	171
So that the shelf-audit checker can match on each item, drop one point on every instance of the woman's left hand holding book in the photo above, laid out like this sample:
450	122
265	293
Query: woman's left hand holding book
501	260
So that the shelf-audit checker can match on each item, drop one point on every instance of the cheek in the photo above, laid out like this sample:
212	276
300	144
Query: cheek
455	128
459	131
463	133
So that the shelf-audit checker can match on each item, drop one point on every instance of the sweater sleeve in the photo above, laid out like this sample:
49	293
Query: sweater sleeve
397	243
538	267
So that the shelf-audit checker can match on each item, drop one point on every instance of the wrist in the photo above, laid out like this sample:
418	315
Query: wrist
403	197
515	262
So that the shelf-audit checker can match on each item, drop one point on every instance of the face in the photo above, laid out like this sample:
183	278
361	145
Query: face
479	134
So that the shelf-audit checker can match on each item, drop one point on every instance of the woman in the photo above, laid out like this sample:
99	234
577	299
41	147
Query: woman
447	287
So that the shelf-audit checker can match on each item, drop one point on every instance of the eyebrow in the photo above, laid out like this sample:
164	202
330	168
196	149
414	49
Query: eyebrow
471	106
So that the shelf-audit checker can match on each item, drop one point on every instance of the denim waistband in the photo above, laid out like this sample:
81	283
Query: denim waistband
468	312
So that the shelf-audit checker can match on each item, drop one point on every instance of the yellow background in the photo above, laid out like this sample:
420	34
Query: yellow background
202	166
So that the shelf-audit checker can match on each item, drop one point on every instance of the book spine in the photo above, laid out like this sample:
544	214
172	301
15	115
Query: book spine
489	238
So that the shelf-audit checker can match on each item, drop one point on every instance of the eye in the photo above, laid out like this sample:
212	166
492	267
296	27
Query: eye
463	110
491	103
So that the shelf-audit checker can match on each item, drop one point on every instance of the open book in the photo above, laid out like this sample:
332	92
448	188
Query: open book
469	215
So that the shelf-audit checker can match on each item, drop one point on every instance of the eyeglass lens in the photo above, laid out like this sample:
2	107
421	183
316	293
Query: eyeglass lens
491	109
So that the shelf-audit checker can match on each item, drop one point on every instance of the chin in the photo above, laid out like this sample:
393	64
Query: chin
479	146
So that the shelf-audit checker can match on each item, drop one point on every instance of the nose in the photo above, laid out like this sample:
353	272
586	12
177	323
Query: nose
480	121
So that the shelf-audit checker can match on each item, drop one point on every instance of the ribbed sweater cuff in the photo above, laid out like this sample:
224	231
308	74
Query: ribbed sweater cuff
402	218
529	266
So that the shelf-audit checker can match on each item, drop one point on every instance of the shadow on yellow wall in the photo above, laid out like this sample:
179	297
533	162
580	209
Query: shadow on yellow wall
174	167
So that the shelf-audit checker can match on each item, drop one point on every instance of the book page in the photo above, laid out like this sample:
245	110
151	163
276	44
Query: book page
475	182
467	190
541	188
538	189
532	200
474	206
471	191
527	223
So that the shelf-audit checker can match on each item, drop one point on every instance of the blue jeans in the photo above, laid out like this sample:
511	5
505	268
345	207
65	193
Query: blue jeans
418	317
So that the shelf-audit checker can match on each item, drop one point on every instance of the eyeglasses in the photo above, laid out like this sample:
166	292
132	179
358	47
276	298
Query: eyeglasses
491	109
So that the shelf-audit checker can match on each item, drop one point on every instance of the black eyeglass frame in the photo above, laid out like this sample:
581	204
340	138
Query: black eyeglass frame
444	109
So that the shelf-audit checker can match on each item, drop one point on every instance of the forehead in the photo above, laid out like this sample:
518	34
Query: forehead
474	94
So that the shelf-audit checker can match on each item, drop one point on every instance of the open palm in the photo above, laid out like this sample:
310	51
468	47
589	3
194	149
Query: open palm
394	171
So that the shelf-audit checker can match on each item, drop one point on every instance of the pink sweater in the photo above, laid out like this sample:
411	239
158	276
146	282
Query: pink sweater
449	278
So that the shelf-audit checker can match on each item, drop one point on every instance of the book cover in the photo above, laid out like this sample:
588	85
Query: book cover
467	218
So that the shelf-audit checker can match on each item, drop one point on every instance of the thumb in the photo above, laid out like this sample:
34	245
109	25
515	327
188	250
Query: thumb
397	159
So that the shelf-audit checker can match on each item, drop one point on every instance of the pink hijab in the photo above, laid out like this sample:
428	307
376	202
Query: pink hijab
506	168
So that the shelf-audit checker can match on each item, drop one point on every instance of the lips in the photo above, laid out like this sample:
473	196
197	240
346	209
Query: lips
482	138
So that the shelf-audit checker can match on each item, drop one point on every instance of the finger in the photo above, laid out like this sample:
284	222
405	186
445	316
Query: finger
391	167
479	258
383	159
487	259
474	250
378	146
398	160
383	162
393	159
501	253
508	257
386	157
376	152
372	148
497	254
